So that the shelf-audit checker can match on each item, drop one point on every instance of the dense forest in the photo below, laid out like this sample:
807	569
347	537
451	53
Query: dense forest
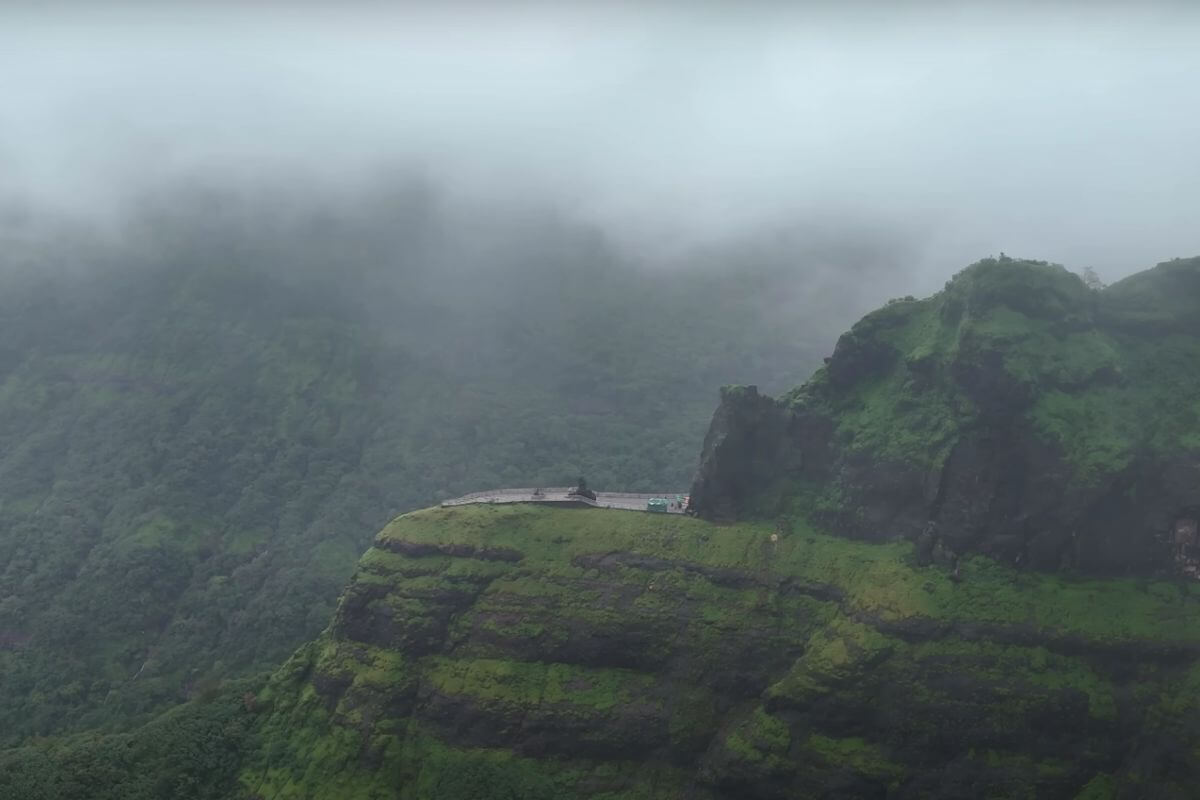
204	417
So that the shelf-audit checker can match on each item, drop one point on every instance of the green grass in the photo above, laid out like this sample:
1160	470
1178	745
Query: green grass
708	585
759	739
854	754
536	684
835	655
878	579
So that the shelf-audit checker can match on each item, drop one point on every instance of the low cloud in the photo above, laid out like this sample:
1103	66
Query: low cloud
1067	133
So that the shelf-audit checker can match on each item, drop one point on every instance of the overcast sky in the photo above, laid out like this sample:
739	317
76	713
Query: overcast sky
1056	131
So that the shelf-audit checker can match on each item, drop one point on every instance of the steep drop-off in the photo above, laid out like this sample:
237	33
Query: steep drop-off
524	652
1017	413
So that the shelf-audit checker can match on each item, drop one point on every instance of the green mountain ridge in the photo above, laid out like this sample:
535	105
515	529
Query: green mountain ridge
864	622
1017	413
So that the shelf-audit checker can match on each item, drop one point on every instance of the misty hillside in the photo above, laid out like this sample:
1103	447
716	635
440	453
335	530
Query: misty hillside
278	281
202	423
820	647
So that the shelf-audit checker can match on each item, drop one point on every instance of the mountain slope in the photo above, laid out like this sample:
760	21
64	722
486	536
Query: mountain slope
806	650
532	652
194	452
1017	413
591	654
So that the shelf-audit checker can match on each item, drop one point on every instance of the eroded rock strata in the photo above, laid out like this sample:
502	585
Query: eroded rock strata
635	655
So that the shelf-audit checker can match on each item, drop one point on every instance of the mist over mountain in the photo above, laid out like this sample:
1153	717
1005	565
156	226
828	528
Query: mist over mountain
273	279
209	411
1059	131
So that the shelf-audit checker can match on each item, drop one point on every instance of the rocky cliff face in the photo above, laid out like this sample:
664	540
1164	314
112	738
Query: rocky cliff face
527	652
1017	413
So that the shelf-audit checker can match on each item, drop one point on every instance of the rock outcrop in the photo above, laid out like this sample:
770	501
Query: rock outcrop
746	453
644	656
1017	413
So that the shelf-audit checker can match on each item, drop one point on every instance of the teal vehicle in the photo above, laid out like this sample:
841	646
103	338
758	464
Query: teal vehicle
657	504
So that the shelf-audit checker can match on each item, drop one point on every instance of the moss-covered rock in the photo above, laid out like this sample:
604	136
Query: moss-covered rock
627	655
1017	413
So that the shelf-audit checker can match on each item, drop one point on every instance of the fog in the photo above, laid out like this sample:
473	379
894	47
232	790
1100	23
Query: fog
1065	133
